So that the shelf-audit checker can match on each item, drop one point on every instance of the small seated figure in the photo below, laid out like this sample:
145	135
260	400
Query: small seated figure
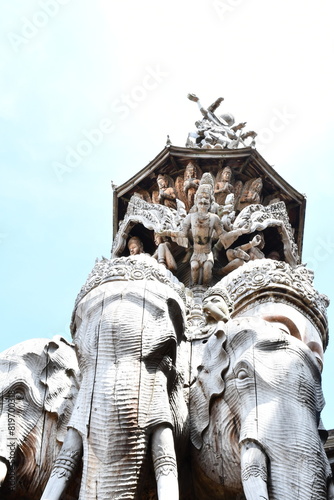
135	245
244	253
163	253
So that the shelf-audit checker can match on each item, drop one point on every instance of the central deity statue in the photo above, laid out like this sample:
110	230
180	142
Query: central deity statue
201	225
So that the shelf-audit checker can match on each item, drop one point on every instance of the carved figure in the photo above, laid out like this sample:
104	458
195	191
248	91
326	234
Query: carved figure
239	255
201	225
191	183
163	253
126	331
217	307
254	416
39	383
135	245
227	213
166	195
217	131
213	130
223	185
251	193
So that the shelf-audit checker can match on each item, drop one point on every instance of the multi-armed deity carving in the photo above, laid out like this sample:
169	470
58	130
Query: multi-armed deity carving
215	131
200	342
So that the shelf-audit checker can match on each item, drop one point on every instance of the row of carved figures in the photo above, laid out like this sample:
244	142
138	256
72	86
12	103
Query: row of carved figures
185	187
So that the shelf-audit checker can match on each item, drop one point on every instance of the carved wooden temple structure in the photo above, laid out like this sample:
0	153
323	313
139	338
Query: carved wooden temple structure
195	372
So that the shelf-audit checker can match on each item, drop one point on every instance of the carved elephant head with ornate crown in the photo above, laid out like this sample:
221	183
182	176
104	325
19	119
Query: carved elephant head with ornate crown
128	322
255	410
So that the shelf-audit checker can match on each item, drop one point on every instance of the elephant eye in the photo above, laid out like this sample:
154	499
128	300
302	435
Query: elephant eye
243	370
19	395
242	374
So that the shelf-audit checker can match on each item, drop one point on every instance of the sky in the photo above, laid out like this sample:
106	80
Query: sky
89	91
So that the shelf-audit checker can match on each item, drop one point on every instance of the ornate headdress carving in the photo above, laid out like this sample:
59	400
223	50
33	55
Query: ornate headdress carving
206	183
264	280
133	268
207	180
220	290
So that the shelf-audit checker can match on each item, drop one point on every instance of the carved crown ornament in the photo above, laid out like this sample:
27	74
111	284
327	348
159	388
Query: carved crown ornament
133	268
267	280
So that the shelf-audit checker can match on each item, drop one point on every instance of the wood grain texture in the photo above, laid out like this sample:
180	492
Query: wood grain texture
127	346
271	396
38	383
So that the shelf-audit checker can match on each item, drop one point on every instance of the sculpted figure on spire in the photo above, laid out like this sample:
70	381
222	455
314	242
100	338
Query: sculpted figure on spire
215	131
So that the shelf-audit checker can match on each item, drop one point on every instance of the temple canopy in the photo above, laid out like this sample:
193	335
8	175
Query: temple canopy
247	167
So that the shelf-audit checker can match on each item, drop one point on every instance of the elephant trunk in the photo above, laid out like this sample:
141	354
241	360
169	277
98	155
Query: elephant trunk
295	472
3	470
113	480
254	471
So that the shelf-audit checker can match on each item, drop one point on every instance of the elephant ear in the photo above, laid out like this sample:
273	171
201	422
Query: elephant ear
208	384
319	395
60	380
177	316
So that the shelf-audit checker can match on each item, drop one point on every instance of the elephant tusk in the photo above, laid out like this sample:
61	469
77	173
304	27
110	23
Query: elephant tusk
254	471
3	471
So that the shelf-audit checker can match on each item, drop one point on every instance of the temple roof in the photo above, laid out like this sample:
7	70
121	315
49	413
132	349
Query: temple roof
247	163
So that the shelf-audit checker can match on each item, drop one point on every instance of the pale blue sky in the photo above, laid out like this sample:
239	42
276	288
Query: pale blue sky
70	66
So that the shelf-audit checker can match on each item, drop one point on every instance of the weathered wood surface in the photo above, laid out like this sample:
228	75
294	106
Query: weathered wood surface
254	416
39	384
